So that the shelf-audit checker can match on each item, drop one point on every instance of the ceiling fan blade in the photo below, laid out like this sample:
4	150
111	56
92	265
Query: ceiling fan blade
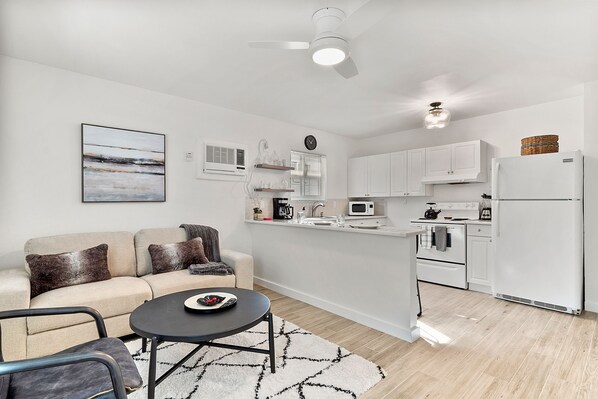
365	17
281	45
347	68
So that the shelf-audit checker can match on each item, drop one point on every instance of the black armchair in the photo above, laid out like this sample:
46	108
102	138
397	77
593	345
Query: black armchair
77	372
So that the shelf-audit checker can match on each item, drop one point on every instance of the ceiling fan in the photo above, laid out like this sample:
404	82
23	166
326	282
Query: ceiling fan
333	33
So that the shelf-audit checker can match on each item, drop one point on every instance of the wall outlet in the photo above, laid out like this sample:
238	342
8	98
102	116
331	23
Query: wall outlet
189	156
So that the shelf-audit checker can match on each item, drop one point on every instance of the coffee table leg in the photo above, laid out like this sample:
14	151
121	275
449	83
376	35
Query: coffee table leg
151	383
143	344
271	343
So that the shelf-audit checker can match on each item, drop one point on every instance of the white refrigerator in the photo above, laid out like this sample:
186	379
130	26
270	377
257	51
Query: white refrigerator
537	230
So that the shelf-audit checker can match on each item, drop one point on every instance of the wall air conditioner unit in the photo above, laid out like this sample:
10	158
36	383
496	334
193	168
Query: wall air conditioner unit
225	159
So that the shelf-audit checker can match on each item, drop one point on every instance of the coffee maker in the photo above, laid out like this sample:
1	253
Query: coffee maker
282	209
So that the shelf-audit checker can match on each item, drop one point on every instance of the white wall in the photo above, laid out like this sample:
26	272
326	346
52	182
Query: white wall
40	157
591	195
503	131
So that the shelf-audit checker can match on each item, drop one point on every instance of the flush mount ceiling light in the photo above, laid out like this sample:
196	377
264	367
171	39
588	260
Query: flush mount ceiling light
437	118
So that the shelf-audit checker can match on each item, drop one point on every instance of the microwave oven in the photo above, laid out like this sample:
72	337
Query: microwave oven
361	208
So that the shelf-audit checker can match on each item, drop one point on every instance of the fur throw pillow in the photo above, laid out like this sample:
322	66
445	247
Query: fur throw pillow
53	271
172	257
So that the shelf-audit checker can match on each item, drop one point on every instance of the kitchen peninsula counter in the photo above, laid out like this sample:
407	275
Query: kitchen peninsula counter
381	230
366	275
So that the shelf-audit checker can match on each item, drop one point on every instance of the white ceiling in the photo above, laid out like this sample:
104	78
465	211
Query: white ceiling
478	57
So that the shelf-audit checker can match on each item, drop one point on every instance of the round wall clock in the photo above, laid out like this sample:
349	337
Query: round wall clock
310	142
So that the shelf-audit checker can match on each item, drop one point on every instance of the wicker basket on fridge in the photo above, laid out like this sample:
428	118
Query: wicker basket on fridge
540	144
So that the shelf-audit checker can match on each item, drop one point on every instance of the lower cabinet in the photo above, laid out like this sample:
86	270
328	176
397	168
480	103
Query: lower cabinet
479	258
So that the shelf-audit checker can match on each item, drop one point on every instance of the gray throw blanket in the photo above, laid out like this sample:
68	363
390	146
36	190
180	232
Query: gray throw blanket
209	236
212	268
440	238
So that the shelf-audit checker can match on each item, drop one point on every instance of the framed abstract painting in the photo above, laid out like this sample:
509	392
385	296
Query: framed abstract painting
121	165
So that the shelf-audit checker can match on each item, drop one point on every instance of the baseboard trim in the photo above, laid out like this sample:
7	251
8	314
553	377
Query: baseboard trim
480	288
380	325
591	306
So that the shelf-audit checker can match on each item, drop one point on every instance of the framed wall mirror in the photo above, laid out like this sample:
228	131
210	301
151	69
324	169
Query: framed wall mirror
308	178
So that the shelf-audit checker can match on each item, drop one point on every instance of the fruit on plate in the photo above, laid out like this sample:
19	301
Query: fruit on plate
210	300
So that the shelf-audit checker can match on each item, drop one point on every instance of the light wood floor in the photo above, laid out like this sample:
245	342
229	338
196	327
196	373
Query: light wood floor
472	346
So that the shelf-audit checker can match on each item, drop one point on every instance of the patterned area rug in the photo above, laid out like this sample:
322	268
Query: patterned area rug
307	366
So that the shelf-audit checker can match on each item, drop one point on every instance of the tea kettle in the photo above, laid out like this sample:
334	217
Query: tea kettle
431	213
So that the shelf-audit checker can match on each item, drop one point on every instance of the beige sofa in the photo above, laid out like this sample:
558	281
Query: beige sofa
131	284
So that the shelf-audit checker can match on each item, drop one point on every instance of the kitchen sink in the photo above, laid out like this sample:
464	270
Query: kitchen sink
320	221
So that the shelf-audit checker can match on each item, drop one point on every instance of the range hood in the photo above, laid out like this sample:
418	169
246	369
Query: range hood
472	177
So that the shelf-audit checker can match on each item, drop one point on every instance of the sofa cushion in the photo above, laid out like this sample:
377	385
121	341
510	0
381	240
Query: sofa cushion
178	256
117	296
145	237
167	283
49	272
121	250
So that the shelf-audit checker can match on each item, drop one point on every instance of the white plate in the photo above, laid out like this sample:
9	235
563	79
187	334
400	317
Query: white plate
192	304
360	226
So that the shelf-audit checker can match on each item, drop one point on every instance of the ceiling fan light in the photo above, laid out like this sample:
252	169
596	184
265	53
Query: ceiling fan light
329	56
329	51
437	117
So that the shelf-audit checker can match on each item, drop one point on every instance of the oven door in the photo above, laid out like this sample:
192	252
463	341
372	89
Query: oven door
455	249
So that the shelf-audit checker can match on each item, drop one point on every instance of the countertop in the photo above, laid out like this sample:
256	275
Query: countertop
450	221
365	217
483	222
382	230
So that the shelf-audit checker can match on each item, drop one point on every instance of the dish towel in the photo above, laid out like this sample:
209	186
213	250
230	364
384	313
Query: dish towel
209	236
440	238
425	239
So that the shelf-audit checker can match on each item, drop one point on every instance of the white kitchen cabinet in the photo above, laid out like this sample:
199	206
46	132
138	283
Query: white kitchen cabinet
357	173
398	174
407	168
457	163
479	258
369	176
438	161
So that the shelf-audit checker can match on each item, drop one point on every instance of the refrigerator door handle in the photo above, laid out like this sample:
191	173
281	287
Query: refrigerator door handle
495	180
495	219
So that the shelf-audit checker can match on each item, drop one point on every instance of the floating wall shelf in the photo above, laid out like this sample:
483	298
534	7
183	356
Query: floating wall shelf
275	190
273	167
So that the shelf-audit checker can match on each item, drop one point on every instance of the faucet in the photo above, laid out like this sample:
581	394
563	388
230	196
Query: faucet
315	206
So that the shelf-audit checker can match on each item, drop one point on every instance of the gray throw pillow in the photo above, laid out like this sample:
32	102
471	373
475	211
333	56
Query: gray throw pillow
172	257
53	271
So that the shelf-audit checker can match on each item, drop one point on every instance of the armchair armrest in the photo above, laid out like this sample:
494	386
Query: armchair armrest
12	314
15	293
242	265
70	358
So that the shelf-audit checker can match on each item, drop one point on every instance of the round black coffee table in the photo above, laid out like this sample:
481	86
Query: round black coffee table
165	319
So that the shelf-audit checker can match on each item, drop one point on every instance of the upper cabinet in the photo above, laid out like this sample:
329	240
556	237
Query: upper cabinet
412	173
456	163
357	172
407	168
369	176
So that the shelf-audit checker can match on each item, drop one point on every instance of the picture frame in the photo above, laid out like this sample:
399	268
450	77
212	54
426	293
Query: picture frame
122	165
